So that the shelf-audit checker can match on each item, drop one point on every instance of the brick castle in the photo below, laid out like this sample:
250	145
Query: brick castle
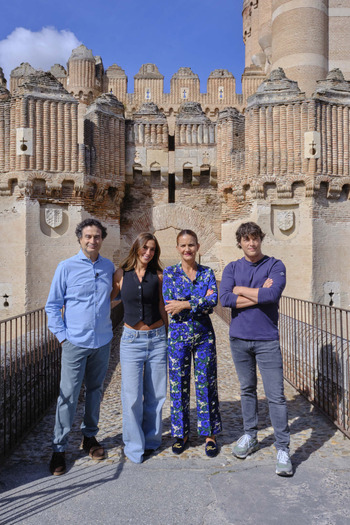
74	143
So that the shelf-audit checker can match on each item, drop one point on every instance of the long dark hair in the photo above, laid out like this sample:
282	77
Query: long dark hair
130	262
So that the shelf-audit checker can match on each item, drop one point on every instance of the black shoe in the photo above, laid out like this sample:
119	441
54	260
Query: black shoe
58	464
211	449
148	452
93	448
180	445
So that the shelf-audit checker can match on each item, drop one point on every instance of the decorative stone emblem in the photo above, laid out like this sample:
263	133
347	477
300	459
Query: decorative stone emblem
24	141
285	220
312	144
206	159
137	159
53	217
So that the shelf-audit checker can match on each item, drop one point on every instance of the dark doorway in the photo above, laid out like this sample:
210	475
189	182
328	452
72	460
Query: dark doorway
205	177
187	176
171	187
155	178
171	142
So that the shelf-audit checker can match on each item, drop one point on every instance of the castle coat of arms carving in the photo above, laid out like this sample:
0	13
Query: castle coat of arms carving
53	217
285	220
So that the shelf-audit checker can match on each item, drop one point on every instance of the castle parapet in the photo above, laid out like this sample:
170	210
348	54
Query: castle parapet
104	137
38	129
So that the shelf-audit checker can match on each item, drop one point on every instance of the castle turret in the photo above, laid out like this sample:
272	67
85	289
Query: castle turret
339	41
221	87
116	82
148	84
250	15
20	74
300	41
104	136
82	72
184	86
60	73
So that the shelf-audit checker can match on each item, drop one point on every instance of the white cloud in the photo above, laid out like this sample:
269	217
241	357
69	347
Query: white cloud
42	49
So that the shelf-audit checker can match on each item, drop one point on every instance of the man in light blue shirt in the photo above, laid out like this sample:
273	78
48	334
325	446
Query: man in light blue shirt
82	285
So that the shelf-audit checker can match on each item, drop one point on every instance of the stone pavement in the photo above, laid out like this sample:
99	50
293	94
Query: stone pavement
191	488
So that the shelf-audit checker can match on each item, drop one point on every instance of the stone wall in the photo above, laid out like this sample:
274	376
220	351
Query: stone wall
152	161
49	182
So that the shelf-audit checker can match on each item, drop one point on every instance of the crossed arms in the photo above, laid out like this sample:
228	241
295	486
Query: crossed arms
235	296
249	296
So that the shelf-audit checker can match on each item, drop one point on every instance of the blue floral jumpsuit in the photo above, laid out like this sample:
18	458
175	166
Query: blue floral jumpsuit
191	332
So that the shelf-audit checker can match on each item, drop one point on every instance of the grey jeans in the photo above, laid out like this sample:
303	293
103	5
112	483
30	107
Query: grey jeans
267	355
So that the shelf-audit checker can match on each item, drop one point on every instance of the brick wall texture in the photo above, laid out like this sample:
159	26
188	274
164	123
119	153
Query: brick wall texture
74	143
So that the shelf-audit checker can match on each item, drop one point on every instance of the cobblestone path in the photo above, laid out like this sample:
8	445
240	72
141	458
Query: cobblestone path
311	432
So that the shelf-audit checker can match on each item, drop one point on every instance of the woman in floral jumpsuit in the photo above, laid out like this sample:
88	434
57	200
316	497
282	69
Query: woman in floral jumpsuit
190	293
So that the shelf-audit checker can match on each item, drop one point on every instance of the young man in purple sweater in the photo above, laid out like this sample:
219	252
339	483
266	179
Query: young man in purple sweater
252	287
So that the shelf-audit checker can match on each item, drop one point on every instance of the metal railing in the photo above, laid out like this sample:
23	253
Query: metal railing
315	344
30	360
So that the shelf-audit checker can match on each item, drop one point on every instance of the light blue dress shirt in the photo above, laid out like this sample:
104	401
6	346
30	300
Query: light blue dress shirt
84	289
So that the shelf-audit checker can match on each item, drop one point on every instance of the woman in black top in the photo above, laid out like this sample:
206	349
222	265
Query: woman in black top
142	347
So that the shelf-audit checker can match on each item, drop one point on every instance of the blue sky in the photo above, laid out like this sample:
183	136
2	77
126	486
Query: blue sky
201	34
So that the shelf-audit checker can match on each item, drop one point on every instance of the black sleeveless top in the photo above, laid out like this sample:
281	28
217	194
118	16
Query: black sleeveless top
140	299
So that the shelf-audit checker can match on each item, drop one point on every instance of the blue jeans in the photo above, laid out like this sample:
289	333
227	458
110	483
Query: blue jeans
267	355
143	362
78	364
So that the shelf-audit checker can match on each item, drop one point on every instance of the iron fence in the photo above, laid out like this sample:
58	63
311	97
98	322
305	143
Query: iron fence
315	344
30	361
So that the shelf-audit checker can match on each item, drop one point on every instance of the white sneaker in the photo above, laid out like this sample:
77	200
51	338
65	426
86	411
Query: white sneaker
284	465
245	445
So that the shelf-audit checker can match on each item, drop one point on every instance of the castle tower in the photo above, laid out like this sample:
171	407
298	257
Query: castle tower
60	73
339	36
39	168
82	82
250	15
184	86
148	85
82	74
230	150
221	88
116	82
19	74
256	61
104	138
300	41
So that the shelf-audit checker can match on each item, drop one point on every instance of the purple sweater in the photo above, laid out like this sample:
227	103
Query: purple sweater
258	322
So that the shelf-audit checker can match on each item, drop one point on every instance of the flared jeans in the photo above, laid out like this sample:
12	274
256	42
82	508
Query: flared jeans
143	362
